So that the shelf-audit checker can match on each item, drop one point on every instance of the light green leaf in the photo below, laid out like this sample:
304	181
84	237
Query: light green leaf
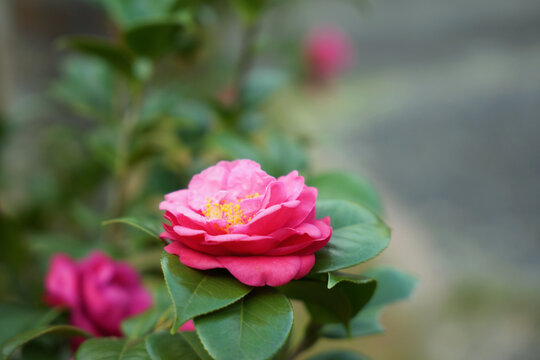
149	226
338	355
11	344
180	346
358	235
86	87
111	349
115	55
130	12
393	285
260	85
285	154
254	328
195	292
345	186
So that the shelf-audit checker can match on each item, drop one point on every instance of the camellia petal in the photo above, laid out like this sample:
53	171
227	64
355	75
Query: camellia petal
233	215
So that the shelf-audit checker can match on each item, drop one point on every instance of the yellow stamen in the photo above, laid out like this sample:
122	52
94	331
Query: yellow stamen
231	212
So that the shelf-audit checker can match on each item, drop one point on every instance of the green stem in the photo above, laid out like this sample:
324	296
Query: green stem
121	169
311	336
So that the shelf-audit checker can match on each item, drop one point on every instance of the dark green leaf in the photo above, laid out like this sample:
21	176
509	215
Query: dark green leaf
149	226
253	328
17	318
115	55
344	296
249	10
338	355
15	342
195	292
111	349
358	235
154	39
180	346
393	285
144	323
345	186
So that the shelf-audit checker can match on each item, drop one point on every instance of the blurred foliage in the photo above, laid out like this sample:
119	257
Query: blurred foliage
146	112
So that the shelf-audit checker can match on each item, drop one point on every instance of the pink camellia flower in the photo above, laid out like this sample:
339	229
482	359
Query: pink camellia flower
234	215
99	292
328	52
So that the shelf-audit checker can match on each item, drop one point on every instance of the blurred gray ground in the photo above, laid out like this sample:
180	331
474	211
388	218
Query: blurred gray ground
447	123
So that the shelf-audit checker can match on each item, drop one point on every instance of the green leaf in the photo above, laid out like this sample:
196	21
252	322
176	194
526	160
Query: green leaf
10	345
338	355
86	87
18	318
180	346
130	12
260	85
249	10
155	38
345	186
142	324
115	55
149	226
344	296
393	285
358	235
237	147
251	329
358	288
195	292
111	349
285	154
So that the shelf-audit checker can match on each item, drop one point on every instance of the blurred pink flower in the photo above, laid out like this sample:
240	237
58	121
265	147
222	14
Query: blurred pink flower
234	215
328	51
98	291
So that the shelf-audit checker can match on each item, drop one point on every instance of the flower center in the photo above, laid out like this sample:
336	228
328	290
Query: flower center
232	212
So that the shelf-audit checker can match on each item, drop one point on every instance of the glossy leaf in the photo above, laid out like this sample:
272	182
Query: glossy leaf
180	346
154	39
111	349
346	186
11	344
115	55
358	235
195	292
336	303
338	355
393	285
253	328
149	226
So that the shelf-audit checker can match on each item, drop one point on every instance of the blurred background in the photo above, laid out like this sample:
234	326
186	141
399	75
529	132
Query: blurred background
439	109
